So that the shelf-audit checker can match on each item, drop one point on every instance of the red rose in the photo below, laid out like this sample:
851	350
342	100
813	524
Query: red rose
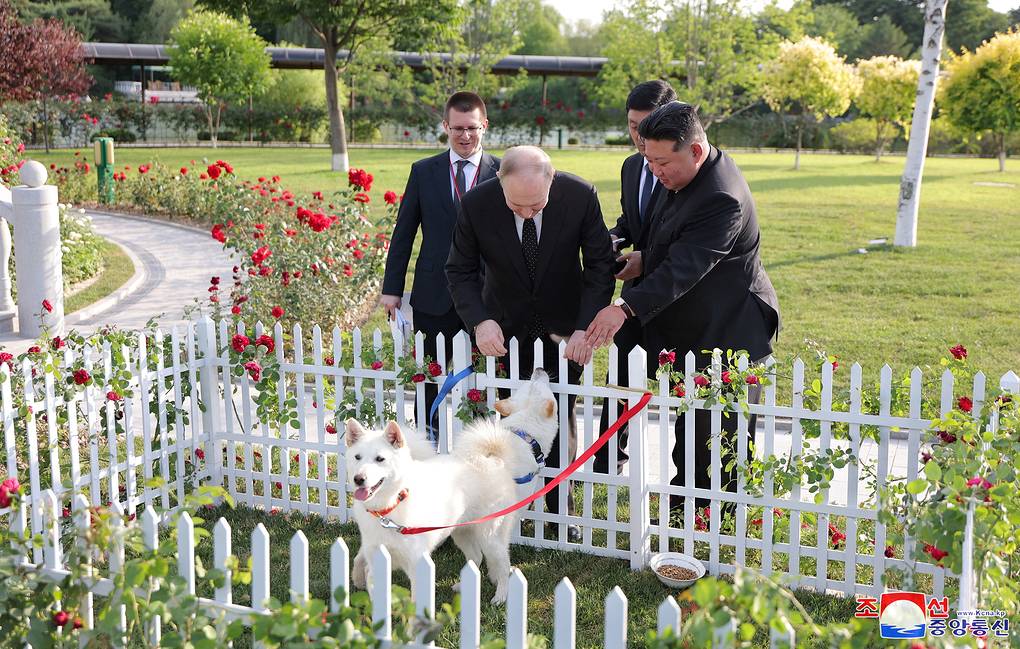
215	281
113	396
34	349
254	370
959	352
218	233
666	358
57	343
946	437
184	171
540	120
46	305
277	312
726	376
978	481
435	369
199	453
331	429
678	390
475	396
7	488
418	378
390	198
236	310
214	171
757	522
81	377
752	379
319	222
261	255
377	365
266	341
239	342
934	552
362	197
925	457
701	380
890	552
965	404
61	618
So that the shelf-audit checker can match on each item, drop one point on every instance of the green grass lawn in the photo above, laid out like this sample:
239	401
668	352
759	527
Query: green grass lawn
593	578
117	270
902	307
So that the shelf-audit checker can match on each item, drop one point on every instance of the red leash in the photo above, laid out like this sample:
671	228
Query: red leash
563	475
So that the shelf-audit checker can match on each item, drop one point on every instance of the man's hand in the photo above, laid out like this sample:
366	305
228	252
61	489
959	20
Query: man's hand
391	303
633	267
489	337
605	325
577	349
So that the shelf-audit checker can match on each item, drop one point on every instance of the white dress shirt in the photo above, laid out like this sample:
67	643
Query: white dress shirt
646	176
470	170
519	220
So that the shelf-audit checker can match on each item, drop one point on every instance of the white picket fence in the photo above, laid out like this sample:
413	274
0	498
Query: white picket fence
157	457
565	597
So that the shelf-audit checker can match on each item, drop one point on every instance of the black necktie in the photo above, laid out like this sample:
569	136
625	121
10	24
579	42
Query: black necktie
646	193
461	180
529	244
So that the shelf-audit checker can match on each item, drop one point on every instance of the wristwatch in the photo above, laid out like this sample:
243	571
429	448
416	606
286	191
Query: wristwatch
623	305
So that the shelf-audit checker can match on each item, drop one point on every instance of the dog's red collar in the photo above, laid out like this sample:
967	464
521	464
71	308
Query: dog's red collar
379	513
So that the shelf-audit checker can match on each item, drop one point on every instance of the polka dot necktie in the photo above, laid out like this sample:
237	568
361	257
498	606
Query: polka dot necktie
529	244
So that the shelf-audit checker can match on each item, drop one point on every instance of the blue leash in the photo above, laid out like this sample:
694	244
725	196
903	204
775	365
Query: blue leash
448	385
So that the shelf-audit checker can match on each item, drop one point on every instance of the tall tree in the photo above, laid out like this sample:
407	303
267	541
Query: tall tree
973	23
541	30
810	80
888	91
92	19
883	38
982	92
222	58
345	25
155	25
43	60
837	25
920	124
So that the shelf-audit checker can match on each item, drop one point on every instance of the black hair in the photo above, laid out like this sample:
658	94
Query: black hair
464	102
674	121
650	95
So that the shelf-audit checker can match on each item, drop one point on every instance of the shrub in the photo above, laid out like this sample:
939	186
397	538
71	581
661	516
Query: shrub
618	140
573	140
856	136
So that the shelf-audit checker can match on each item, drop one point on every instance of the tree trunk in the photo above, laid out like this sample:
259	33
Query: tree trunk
337	134
46	124
878	141
920	125
1002	152
800	133
209	120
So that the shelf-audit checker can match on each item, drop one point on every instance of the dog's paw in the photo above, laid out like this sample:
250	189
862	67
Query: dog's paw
456	587
500	597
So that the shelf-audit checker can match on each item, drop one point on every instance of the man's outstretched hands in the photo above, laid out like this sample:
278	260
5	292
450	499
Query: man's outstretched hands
489	337
605	325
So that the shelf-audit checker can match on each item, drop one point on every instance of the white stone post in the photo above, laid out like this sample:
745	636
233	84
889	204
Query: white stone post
37	252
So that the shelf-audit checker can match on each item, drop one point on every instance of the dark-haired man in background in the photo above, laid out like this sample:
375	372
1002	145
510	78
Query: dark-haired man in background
702	281
433	193
639	190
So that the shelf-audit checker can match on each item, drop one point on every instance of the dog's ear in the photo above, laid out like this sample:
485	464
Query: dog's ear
394	435
353	432
503	407
550	408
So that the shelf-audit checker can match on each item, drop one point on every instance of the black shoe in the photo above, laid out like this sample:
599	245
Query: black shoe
552	531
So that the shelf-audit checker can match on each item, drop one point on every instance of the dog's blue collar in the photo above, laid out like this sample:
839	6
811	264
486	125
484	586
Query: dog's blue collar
536	450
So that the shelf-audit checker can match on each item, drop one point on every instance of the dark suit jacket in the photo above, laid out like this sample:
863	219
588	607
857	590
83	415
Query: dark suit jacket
629	226
428	203
565	293
703	284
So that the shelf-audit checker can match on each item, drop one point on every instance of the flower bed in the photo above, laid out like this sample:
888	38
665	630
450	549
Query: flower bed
311	259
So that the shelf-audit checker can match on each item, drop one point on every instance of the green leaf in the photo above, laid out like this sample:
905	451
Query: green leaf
915	487
933	471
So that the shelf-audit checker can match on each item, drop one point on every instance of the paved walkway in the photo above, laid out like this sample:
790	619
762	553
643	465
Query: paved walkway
173	264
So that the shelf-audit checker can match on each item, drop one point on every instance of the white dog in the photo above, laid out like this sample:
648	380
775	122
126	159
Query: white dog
493	465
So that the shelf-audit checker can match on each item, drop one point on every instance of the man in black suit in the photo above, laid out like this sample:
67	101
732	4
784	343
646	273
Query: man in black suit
702	285
639	190
529	231
434	189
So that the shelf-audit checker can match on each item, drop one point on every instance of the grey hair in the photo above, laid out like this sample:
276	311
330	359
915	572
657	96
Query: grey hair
526	160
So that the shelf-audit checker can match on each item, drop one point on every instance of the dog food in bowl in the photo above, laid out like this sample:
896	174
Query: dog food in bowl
676	570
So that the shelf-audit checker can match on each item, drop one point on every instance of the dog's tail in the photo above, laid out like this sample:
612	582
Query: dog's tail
484	444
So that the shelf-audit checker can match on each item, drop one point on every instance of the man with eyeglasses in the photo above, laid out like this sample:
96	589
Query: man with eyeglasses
434	190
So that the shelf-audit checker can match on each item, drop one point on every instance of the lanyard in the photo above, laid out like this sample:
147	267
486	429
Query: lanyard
474	181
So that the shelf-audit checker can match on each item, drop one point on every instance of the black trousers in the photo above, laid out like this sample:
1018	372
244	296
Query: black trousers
626	339
449	325
703	450
551	363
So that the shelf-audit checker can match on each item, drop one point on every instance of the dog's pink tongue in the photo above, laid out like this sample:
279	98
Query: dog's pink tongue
361	493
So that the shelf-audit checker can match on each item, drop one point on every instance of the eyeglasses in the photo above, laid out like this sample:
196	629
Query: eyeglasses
470	130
